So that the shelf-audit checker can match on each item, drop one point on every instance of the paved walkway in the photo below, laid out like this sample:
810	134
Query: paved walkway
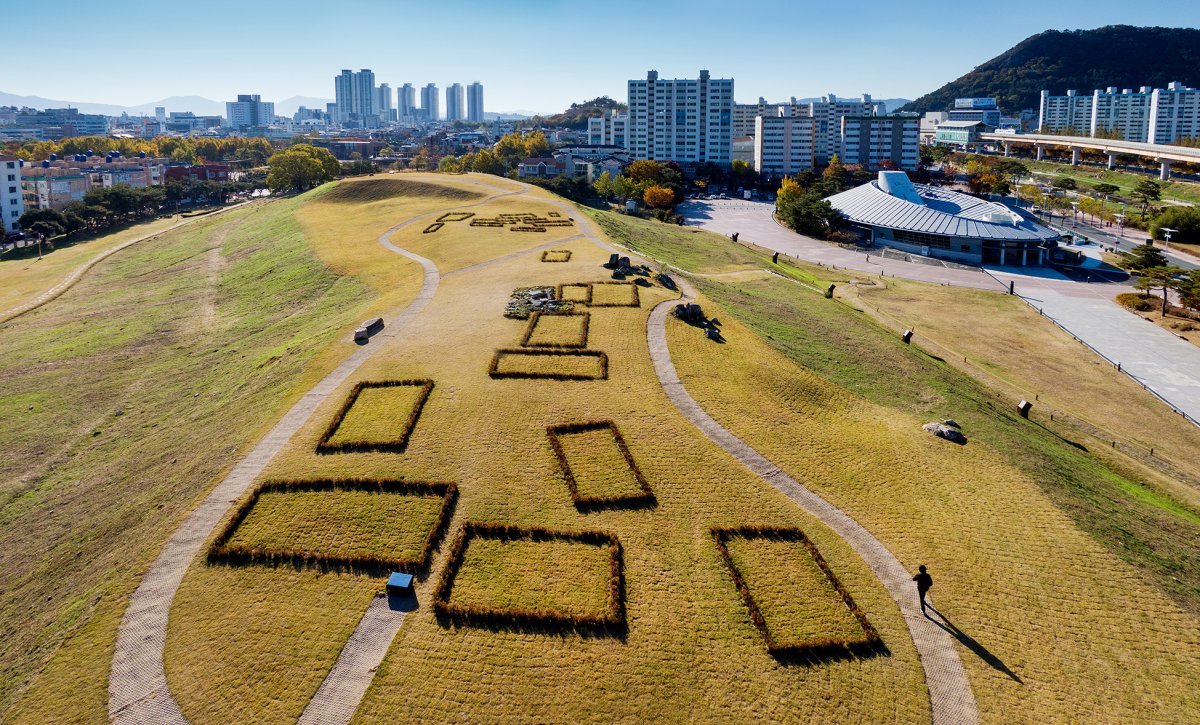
754	223
950	695
1160	361
77	273
137	688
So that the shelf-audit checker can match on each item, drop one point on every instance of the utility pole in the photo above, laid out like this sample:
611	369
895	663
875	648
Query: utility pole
1167	234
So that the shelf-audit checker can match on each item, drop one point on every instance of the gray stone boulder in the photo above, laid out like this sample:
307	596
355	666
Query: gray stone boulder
950	433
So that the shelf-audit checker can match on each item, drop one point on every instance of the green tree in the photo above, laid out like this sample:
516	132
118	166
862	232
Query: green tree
1146	193
1189	289
1066	183
1106	189
604	185
301	167
1144	257
805	211
449	164
834	175
1162	277
1185	220
536	145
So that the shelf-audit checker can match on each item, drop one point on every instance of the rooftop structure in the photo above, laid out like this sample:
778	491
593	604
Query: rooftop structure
936	222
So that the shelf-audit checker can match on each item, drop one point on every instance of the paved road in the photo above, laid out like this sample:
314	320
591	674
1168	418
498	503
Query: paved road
1164	363
950	696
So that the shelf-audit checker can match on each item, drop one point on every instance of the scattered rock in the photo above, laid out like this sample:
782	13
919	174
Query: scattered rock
666	281
942	430
951	422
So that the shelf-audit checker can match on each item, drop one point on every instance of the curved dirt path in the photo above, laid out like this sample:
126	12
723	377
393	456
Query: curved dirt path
950	695
137	687
76	274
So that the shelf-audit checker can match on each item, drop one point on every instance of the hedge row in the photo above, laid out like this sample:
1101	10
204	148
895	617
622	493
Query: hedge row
556	255
222	552
533	321
398	446
612	618
645	498
433	228
456	216
637	300
493	369
812	650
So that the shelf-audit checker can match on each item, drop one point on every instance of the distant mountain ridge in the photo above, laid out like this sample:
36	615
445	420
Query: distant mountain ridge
1084	60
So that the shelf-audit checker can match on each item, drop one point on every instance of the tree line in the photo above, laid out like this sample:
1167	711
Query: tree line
252	151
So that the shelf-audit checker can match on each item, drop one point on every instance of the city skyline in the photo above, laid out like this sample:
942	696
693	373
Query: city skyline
776	71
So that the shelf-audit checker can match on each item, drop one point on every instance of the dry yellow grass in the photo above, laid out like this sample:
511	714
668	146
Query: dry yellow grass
261	653
379	416
340	523
564	577
580	365
1038	598
614	294
557	330
576	292
1005	341
793	594
598	465
22	280
691	649
458	244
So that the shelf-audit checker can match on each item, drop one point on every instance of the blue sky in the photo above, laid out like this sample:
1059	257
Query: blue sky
530	54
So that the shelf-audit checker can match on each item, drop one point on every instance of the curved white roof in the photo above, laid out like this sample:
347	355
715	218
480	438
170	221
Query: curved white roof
940	211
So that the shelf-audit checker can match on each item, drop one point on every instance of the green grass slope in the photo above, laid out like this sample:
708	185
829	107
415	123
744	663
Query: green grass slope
153	373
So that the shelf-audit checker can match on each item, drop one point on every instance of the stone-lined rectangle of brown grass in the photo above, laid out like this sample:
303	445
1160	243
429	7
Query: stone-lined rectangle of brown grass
577	292
614	294
364	423
783	608
556	255
549	364
599	469
406	549
531	577
557	329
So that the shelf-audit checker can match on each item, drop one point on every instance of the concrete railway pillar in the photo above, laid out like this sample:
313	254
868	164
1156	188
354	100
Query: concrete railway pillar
1074	157
1164	172
1040	151
1006	149
1112	161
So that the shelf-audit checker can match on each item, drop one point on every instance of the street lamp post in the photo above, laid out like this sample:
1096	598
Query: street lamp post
1167	236
1074	213
1120	224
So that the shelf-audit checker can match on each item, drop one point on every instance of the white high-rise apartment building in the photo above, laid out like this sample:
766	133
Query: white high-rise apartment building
1174	114
1071	113
12	203
355	97
784	144
383	102
611	129
475	102
880	142
406	101
249	111
1126	113
682	120
827	115
744	114
429	103
456	104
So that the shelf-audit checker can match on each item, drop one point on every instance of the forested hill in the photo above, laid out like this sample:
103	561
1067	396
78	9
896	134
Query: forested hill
577	115
1084	60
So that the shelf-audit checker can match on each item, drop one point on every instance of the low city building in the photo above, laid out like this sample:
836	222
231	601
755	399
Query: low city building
959	133
540	168
935	222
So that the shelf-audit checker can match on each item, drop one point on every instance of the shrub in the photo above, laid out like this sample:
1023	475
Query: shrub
221	551
1138	302
601	358
645	496
324	445
536	318
812	650
612	618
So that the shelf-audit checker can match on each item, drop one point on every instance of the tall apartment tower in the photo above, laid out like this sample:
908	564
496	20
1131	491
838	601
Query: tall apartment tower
827	115
1071	113
682	120
1174	114
475	102
456	104
429	103
383	102
355	96
406	100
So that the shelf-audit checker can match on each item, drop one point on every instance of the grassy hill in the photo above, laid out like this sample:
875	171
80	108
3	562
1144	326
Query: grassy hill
1084	60
1065	570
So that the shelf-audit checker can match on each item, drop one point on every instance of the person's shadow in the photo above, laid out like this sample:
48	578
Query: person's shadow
968	642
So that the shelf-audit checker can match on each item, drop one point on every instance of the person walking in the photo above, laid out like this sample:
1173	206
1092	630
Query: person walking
924	582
